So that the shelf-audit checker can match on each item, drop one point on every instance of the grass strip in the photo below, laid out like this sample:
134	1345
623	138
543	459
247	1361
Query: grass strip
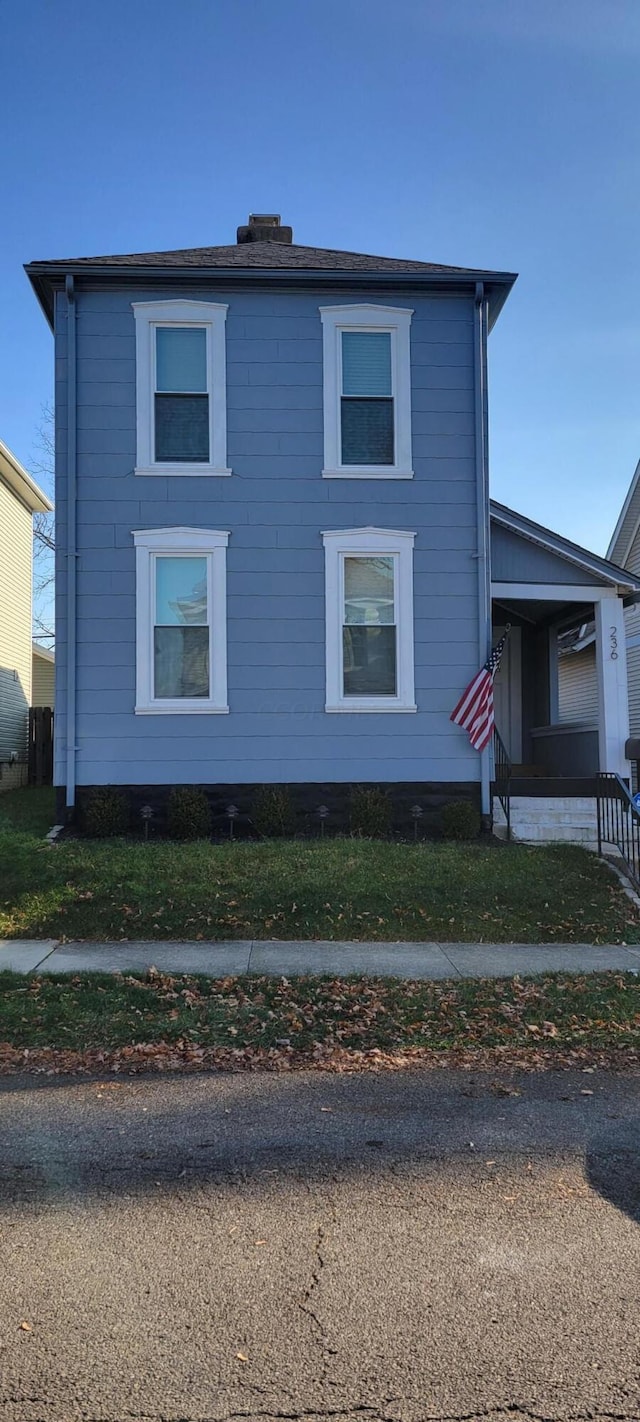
300	889
252	1019
339	889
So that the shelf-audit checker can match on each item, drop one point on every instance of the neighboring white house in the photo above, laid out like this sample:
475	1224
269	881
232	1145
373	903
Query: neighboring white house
20	498
577	679
577	676
43	676
625	550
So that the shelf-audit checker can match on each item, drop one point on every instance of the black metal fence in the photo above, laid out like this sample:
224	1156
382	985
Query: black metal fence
502	782
618	822
40	745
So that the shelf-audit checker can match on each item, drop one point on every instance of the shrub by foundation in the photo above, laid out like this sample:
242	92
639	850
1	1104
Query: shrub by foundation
370	812
188	813
272	812
460	820
106	813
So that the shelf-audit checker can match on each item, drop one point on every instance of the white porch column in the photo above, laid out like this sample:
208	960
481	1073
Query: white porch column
613	695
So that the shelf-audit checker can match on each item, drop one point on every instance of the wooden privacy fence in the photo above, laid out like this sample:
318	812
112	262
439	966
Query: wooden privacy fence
40	745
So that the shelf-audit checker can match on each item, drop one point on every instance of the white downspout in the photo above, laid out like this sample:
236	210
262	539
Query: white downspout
71	548
483	554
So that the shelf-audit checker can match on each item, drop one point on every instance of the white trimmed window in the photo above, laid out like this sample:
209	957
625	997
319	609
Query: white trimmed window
367	392
181	620
369	611
181	396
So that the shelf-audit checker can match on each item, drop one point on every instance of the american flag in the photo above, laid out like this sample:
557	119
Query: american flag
474	711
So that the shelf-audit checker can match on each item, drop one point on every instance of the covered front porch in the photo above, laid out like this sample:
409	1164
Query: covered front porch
543	587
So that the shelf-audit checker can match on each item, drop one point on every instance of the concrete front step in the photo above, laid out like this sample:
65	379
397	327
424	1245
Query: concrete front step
550	820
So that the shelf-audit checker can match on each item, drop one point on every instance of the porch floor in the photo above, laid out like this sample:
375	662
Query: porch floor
551	787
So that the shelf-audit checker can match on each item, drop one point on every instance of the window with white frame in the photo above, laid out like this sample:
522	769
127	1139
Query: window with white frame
369	613
181	641
367	392
181	393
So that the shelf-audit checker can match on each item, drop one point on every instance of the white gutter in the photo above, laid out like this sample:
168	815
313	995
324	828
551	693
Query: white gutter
21	483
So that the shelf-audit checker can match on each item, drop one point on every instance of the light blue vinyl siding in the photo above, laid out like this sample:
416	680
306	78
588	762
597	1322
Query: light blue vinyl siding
275	507
516	560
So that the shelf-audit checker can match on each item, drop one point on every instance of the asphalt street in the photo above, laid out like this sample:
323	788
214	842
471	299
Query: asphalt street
406	1246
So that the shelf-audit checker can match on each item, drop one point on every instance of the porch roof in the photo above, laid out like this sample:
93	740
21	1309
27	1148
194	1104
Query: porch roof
525	552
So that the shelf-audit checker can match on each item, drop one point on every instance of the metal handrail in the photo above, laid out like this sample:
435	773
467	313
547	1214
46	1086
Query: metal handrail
503	773
618	821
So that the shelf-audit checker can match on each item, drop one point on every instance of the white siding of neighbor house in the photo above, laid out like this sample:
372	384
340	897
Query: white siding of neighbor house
44	675
16	534
633	672
624	548
632	625
578	687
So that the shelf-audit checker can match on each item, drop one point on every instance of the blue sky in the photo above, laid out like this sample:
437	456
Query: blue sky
489	133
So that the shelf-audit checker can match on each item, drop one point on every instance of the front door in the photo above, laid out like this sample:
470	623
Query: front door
507	693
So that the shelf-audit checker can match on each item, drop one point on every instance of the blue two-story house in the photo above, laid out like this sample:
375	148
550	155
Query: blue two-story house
274	532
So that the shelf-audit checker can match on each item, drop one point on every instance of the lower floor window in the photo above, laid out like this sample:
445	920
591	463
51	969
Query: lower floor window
181	627
181	620
369	629
369	633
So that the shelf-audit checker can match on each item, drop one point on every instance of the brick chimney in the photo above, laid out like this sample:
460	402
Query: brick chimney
264	227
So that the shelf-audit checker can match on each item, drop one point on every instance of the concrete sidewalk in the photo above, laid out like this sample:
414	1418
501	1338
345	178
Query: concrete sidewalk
293	959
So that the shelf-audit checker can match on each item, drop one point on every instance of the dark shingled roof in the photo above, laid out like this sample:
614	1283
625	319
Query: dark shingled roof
258	261
266	255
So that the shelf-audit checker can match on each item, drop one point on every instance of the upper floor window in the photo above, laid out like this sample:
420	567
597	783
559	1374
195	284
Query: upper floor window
181	387
367	392
181	620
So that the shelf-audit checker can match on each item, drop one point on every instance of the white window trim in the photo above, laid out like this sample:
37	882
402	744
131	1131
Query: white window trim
212	316
369	542
367	317
149	542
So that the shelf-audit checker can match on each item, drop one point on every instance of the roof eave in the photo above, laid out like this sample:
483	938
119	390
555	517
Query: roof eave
623	514
45	279
21	483
572	552
44	292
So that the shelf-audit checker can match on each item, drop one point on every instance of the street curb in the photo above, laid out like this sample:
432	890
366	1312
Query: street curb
624	880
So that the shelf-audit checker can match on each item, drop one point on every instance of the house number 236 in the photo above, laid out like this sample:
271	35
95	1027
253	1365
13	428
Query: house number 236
613	639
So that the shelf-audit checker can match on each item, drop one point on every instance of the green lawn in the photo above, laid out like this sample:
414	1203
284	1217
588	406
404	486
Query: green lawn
95	1012
31	810
334	889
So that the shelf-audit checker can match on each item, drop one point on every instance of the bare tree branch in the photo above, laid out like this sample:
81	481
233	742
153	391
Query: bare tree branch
43	532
